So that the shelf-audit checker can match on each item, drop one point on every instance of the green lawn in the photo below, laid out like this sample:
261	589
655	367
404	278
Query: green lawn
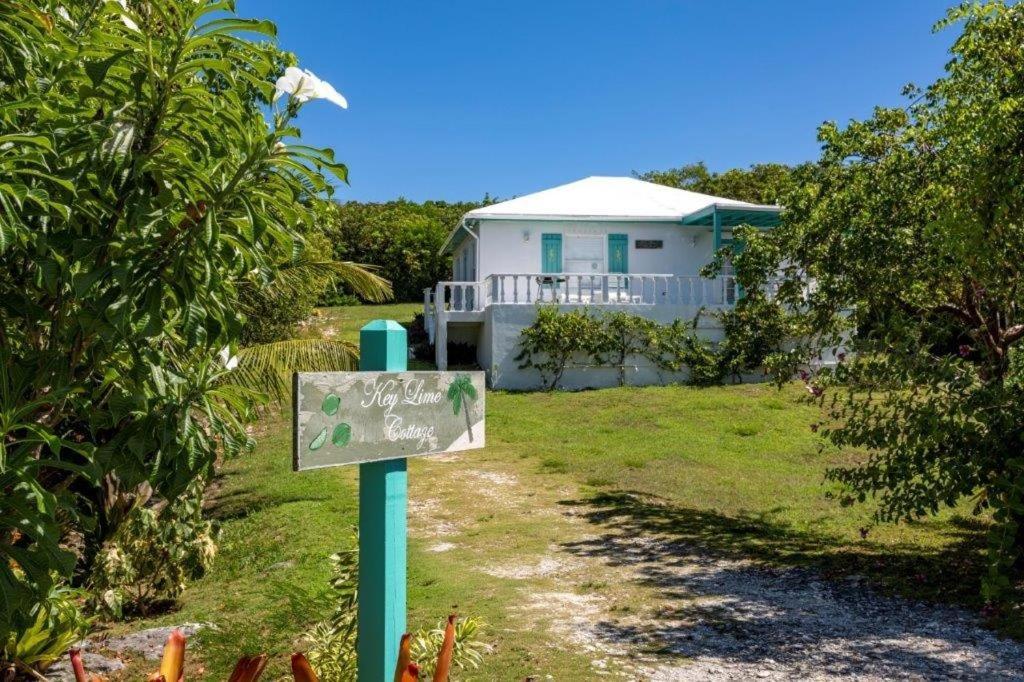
735	469
346	321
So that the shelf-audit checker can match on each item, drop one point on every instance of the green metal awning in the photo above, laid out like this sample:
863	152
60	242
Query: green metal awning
719	217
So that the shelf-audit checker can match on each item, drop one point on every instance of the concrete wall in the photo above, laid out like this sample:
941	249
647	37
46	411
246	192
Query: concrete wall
505	248
503	326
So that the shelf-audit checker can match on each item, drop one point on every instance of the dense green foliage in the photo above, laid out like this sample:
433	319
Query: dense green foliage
141	186
912	234
56	624
272	312
401	238
558	340
762	183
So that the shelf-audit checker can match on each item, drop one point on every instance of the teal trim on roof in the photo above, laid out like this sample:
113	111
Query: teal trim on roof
724	216
457	238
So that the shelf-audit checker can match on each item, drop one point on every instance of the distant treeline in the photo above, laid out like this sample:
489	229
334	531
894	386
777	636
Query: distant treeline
402	238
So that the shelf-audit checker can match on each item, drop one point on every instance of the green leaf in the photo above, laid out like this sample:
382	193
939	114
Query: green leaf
230	26
331	404
97	71
342	434
319	441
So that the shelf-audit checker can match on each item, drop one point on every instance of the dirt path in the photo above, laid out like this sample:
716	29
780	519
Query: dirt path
642	606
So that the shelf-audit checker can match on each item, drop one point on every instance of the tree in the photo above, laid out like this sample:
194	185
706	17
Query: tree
907	246
762	183
141	187
400	238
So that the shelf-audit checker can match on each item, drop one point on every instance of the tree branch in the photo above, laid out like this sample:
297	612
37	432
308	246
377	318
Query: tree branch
1013	334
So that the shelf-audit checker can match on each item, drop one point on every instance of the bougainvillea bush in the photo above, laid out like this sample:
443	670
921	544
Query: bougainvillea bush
148	171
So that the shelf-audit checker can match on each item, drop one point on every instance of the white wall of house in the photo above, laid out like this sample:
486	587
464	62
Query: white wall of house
514	246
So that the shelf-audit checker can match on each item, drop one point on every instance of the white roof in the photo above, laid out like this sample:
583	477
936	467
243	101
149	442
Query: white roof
607	198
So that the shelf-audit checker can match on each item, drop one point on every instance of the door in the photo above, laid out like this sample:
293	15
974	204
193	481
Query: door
551	253
618	253
584	254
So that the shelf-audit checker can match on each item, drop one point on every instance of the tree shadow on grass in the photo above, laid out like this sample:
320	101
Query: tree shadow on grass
948	573
748	590
241	502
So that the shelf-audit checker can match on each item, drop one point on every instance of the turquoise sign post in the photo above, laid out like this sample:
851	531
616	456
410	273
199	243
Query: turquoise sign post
383	495
377	418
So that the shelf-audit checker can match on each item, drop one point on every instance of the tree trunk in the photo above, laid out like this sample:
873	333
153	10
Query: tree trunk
465	409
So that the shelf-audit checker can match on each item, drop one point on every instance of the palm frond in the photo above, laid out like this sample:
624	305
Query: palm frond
360	279
268	367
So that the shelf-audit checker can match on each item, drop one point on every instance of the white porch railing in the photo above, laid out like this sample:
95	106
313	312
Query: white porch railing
572	288
449	299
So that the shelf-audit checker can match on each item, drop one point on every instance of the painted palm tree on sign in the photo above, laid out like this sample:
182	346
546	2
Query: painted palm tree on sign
460	392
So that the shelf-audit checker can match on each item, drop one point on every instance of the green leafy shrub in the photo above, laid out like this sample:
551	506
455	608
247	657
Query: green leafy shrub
55	624
622	336
272	312
755	330
153	555
555	338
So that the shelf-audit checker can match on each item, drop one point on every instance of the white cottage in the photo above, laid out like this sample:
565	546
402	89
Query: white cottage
613	242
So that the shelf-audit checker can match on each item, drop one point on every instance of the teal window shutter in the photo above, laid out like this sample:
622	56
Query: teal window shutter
551	253
618	253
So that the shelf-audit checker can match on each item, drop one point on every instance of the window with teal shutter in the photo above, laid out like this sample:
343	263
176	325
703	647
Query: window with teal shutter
551	253
618	253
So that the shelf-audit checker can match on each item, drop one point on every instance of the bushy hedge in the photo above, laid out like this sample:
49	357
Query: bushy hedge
148	180
557	341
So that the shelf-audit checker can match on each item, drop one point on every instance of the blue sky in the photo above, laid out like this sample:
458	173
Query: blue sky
449	99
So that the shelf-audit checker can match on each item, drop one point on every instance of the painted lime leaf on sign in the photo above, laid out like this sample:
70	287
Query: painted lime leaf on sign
342	434
320	439
331	404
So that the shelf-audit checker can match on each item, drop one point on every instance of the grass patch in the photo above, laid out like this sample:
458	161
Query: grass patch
346	321
554	465
746	430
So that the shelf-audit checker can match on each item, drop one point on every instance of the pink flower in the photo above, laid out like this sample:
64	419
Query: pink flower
965	350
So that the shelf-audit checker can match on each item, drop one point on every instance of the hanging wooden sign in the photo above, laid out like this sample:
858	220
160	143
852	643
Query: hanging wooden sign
355	417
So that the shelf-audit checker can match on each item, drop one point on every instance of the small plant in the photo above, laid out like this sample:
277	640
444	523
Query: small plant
625	335
440	651
57	623
332	642
467	651
153	555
